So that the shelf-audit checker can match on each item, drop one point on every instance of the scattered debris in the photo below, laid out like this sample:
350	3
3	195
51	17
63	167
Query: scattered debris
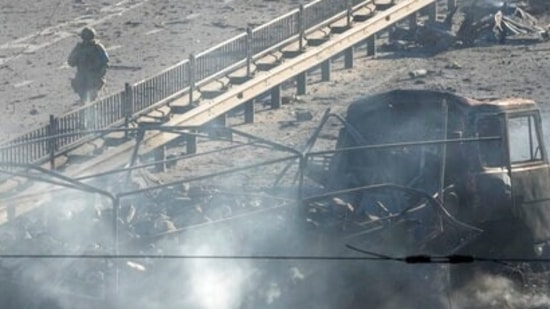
419	73
480	22
398	45
287	124
37	96
453	66
303	115
132	23
286	100
538	6
22	84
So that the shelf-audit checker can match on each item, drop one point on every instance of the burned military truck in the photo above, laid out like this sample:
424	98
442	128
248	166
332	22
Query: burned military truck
426	172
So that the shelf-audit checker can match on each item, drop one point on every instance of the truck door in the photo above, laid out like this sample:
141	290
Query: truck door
492	191
530	173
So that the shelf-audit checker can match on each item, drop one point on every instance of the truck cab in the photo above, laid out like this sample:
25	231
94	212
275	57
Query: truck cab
483	162
507	192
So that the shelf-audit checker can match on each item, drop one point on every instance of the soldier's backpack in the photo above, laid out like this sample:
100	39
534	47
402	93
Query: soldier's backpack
101	58
93	58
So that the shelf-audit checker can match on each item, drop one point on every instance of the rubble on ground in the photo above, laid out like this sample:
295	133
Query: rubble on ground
538	6
479	23
87	229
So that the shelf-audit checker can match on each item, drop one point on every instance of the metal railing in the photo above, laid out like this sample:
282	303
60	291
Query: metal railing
160	87
121	108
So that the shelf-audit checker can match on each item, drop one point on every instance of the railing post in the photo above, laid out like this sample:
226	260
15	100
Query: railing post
451	5
371	45
192	68
348	58
249	111
301	83
301	26
432	12
52	141
215	127
325	70
349	13
128	106
160	157
248	51
413	22
191	143
276	97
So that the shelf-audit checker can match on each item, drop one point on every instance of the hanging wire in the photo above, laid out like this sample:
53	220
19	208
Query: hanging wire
371	256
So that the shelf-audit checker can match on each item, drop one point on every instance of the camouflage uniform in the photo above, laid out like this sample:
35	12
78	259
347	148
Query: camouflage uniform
91	61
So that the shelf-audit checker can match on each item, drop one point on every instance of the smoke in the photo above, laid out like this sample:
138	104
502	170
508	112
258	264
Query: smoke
492	291
232	284
215	287
66	223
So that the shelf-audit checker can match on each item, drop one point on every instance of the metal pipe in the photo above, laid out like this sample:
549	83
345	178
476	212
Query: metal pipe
301	25
42	179
313	138
529	120
76	183
248	52
308	145
445	108
358	138
211	223
264	140
198	178
133	158
187	156
405	144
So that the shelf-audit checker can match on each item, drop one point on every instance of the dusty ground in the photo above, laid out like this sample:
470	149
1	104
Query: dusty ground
143	36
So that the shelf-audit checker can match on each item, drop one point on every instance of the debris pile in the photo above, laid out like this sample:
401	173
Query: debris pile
481	22
87	229
538	6
495	23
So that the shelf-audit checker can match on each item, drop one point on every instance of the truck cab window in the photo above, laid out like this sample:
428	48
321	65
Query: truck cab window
524	139
490	152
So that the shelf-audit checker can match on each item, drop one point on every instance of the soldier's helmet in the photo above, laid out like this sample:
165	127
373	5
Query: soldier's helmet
87	34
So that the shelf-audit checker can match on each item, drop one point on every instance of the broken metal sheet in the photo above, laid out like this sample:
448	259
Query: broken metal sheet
491	22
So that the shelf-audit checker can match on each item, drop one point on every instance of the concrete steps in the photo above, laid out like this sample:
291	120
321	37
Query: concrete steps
292	50
340	25
240	75
214	88
87	150
318	37
182	105
269	61
364	13
155	117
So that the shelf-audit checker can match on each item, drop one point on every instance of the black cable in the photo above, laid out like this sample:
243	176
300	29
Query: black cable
411	259
178	256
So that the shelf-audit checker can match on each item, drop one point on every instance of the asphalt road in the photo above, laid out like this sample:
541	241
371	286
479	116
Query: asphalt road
142	37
